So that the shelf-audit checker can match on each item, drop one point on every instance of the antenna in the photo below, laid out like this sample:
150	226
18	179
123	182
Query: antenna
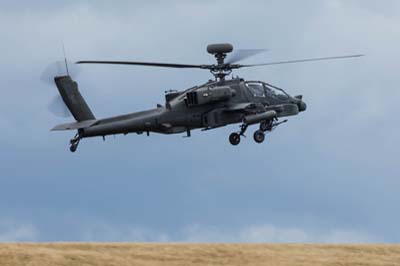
65	58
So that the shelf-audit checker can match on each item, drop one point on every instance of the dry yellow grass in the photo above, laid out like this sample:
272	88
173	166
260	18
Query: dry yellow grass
121	254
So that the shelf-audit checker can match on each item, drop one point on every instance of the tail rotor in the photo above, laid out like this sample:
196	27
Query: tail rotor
56	69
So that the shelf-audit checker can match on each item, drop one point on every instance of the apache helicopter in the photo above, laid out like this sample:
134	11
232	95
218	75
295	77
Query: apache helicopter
214	104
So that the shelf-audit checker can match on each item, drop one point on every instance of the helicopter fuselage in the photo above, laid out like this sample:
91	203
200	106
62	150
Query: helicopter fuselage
211	105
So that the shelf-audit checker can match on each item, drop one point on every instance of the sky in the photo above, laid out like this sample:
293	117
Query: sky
329	175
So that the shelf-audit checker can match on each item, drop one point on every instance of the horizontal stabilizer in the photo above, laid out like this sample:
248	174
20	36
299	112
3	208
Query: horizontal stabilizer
75	125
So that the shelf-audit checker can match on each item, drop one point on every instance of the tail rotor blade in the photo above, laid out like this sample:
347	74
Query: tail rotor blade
58	68
58	107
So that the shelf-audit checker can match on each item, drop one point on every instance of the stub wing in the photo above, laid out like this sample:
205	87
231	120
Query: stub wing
75	125
239	107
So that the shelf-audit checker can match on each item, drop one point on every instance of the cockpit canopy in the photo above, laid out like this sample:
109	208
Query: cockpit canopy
262	89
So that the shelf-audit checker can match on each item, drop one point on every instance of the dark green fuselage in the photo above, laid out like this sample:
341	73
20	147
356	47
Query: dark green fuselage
180	115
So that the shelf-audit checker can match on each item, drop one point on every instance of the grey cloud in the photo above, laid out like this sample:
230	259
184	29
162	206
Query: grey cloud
273	234
102	231
15	231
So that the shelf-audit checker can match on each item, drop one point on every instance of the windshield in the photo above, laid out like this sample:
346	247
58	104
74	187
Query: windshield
262	89
271	91
256	88
274	91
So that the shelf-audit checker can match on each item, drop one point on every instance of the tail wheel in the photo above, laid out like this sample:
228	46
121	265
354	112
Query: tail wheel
73	147
259	136
75	142
234	139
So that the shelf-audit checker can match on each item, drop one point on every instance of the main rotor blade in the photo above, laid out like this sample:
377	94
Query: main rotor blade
153	64
304	60
241	54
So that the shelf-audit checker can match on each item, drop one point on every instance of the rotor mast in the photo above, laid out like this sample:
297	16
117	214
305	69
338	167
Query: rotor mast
220	70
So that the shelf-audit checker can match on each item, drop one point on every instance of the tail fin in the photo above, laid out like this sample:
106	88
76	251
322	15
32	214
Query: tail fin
71	96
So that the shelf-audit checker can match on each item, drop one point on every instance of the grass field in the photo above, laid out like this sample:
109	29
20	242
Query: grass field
111	254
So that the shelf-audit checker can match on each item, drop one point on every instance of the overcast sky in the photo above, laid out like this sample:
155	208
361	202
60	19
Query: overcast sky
329	175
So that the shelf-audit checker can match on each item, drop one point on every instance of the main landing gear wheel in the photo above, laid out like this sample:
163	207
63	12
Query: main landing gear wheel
259	136
234	138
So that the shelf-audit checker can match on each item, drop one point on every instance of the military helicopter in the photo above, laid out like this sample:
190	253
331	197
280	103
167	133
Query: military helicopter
216	103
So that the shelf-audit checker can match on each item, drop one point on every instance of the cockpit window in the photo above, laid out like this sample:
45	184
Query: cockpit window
257	89
262	89
274	92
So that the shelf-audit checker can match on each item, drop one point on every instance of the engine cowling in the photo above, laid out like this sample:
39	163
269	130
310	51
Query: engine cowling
209	95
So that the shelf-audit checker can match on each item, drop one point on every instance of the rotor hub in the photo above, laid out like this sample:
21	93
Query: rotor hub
220	50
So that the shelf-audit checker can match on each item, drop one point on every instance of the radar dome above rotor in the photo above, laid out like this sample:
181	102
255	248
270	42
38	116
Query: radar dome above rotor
220	48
